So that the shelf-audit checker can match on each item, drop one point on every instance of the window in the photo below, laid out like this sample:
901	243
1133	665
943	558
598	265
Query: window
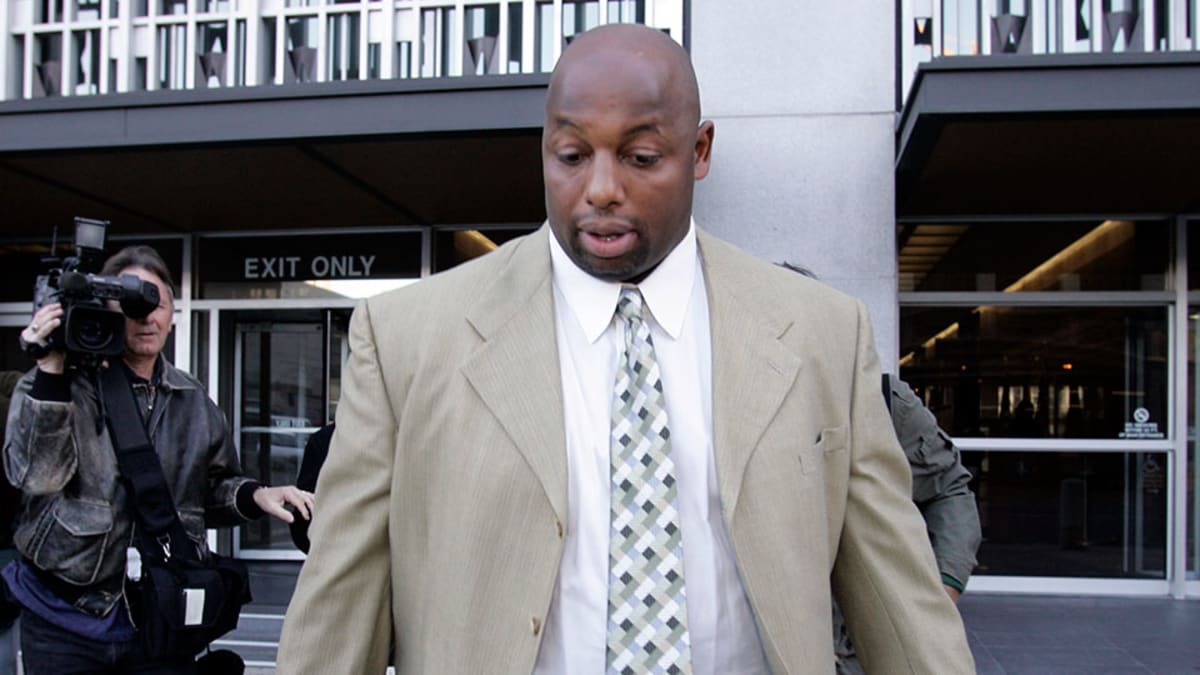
141	73
579	16
239	64
300	63
47	11
1124	25
87	62
212	41
960	27
1071	514
404	59
481	28
266	56
1035	255
172	7
87	10
1039	372
16	86
454	247
516	26
1044	348
47	67
627	11
342	36
437	40
172	56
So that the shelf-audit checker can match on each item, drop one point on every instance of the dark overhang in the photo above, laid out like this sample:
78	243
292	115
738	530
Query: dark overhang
398	152
1010	135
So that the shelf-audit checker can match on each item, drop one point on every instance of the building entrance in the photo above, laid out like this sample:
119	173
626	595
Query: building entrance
287	374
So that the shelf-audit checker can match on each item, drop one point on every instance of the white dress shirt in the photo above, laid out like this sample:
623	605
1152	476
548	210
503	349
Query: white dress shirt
724	638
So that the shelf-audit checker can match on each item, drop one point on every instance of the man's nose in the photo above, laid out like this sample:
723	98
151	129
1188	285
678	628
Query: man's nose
604	188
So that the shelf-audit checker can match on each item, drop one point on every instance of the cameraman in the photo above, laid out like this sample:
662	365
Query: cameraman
77	524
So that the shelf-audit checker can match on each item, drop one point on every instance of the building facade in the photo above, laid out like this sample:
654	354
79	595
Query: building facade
1046	189
1008	185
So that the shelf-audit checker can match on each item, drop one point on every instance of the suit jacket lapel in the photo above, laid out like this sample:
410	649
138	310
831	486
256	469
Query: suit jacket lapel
516	369
752	369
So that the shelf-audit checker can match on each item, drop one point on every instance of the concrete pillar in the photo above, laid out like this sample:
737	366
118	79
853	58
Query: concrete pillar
802	95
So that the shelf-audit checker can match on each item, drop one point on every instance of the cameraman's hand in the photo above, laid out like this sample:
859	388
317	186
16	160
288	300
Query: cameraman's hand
44	322
272	500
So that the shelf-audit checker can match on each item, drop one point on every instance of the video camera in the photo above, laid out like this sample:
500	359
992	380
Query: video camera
90	330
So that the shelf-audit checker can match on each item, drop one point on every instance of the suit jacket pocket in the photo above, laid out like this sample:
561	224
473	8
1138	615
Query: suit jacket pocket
829	441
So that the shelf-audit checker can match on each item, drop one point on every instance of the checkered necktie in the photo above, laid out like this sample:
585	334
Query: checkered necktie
647	603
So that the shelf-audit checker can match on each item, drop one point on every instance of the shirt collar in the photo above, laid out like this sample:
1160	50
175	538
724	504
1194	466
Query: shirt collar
666	290
155	378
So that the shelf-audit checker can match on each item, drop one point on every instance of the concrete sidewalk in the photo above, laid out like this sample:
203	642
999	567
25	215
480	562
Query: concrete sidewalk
1008	634
1052	635
1056	634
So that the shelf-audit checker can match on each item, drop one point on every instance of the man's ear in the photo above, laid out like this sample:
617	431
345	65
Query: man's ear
703	152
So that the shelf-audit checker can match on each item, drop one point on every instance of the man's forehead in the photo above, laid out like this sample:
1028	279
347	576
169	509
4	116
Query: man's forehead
646	95
638	73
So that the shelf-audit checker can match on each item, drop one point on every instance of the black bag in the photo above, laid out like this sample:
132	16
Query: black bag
186	604
185	600
220	662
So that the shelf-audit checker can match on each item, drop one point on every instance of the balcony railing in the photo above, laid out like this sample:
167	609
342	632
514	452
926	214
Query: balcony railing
932	29
88	47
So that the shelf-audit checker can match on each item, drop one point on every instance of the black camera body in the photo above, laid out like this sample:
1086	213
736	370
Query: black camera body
90	330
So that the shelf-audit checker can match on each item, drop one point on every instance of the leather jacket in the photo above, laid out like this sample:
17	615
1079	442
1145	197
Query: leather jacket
77	524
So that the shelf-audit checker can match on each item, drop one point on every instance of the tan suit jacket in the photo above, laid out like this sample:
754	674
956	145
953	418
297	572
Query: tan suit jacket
439	512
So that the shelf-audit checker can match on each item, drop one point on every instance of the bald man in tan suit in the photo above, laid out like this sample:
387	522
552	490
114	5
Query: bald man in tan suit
451	493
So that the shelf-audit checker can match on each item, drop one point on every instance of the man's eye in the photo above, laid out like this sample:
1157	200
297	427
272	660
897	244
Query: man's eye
569	157
644	159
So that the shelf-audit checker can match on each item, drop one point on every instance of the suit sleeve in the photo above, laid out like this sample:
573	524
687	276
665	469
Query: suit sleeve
884	577
940	486
339	620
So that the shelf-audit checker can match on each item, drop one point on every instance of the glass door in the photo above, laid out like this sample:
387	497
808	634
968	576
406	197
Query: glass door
287	374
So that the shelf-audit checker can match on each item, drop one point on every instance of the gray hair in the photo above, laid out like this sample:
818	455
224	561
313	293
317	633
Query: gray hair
140	256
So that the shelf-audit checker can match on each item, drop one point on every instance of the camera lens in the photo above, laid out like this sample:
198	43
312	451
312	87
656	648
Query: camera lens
93	335
92	329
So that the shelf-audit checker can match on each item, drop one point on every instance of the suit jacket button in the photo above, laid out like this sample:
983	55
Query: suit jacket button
536	624
559	525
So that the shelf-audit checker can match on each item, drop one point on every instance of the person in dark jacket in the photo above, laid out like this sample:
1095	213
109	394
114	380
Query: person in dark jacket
315	451
75	535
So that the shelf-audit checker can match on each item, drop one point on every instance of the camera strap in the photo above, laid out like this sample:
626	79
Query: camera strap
141	468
